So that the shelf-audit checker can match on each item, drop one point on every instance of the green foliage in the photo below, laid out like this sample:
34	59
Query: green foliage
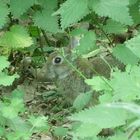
60	131
46	21
128	58
86	43
115	9
11	110
72	11
114	27
133	45
16	8
82	100
17	37
4	62
3	13
5	79
34	28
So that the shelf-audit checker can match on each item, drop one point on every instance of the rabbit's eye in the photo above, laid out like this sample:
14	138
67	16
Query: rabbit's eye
57	60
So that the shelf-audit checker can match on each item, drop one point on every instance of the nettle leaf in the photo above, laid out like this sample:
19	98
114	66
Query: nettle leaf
114	27
4	11
46	21
101	115
82	100
49	4
135	12
86	43
4	62
17	37
39	122
87	130
116	9
11	110
7	80
60	131
18	124
131	84
118	137
125	55
18	7
133	45
72	11
98	83
131	2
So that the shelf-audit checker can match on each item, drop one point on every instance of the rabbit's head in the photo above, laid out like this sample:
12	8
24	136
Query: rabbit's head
56	67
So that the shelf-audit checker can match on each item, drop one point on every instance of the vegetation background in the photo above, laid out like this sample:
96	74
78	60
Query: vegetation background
30	30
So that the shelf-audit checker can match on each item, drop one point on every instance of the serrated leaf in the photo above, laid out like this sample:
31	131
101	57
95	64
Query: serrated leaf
17	37
82	100
18	7
46	21
133	45
6	80
4	62
87	43
60	131
131	84
135	12
118	137
125	55
114	27
87	130
39	121
98	83
19	124
101	116
11	110
49	4
72	11
115	9
4	11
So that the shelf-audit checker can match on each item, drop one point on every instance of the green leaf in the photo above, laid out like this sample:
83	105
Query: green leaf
72	11
82	100
125	55
18	7
118	137
115	9
135	12
17	37
39	123
6	80
114	27
46	21
98	83
60	131
4	11
19	125
4	62
131	84
87	43
87	130
101	115
2	131
49	4
133	45
11	110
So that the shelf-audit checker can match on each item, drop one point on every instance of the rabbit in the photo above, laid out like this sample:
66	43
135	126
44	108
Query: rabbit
68	81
